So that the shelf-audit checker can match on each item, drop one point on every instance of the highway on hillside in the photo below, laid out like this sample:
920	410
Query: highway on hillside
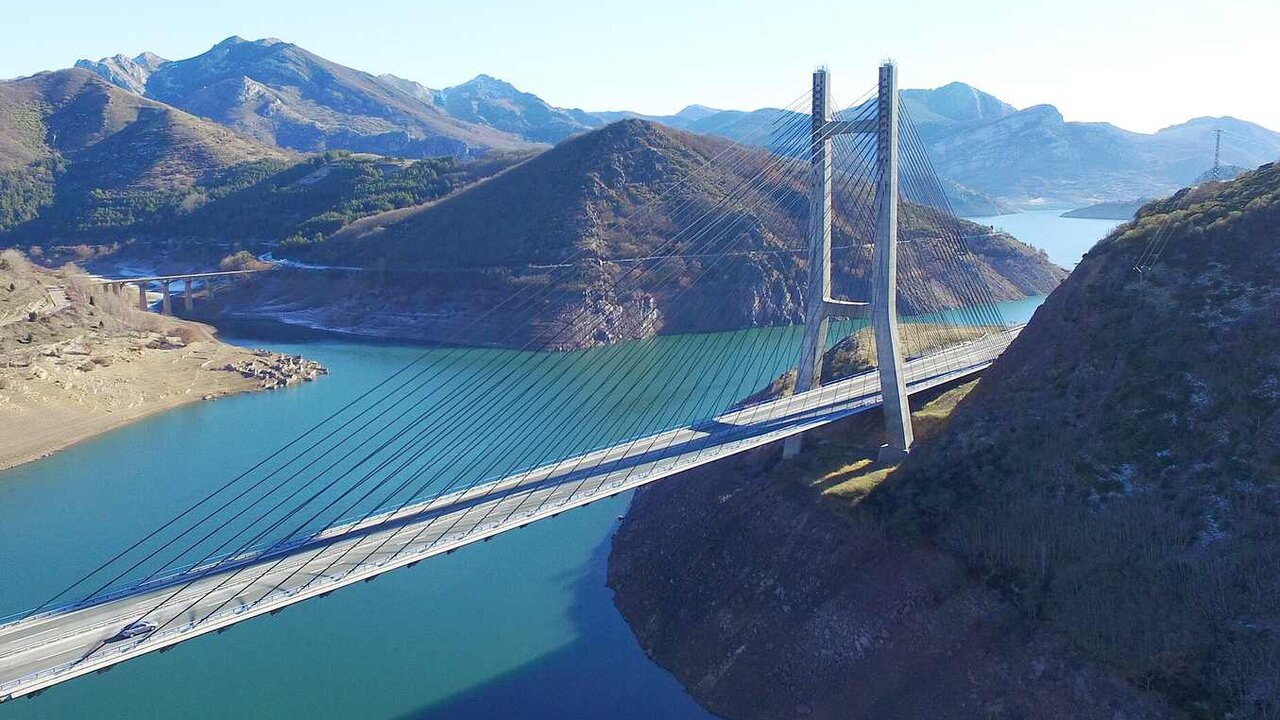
48	648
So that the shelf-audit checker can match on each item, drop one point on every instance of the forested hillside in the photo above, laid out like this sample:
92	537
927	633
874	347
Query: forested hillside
80	156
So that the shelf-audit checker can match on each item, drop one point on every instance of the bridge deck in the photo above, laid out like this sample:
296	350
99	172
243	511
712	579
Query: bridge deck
55	646
170	278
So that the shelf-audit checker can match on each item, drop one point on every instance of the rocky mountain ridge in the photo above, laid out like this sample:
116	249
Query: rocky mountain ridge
130	73
1001	156
279	93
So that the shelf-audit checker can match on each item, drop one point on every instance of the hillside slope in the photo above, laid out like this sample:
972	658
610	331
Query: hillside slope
77	152
1090	534
84	162
576	218
1119	467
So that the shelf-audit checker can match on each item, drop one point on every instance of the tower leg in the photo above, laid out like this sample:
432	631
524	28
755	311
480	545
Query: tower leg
814	345
884	301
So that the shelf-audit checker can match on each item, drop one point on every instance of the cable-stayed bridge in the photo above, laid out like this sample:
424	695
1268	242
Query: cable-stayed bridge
400	473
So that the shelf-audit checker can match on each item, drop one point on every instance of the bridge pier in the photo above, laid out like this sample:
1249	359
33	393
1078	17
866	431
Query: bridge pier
166	301
142	297
820	306
188	301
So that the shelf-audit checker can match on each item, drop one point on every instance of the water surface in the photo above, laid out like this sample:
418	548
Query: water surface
1065	240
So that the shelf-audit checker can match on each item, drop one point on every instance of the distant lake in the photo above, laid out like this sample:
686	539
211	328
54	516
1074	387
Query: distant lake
1066	240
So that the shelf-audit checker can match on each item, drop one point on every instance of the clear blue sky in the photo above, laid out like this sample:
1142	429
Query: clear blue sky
1141	64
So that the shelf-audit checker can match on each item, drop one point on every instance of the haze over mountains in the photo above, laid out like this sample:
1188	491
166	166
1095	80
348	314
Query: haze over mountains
281	96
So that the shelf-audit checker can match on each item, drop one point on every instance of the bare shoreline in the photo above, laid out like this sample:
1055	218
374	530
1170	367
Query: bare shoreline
76	362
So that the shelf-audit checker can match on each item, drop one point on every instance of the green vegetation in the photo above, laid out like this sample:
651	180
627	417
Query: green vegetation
310	200
24	193
265	199
843	467
242	260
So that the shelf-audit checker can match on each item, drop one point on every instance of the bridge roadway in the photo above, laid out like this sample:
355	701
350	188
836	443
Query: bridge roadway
172	278
55	646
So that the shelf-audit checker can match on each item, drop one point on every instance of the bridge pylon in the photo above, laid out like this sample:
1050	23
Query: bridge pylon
883	308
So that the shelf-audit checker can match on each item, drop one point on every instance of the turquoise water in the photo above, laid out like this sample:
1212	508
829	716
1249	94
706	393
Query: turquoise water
522	626
519	627
1064	239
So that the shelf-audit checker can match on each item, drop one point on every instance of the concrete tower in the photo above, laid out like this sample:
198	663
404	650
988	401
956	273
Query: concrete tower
884	301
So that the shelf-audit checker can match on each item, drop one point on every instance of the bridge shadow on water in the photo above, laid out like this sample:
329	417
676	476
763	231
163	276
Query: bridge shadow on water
601	674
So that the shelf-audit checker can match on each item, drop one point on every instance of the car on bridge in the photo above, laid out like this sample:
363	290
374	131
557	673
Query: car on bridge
142	627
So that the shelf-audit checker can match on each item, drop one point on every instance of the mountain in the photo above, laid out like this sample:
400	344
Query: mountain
1085	533
1120	464
575	217
79	155
993	155
996	156
681	120
1189	145
764	126
130	73
281	94
1033	155
85	162
413	89
952	104
493	103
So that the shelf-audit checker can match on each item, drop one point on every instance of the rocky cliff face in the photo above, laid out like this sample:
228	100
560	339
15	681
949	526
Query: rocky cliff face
130	73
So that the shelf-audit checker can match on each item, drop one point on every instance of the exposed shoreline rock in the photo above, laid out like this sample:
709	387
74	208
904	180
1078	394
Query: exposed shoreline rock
274	370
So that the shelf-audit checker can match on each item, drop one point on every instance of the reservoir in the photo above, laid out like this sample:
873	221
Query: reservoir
522	626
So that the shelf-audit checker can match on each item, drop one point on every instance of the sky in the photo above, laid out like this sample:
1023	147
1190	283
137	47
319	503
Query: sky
1140	64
